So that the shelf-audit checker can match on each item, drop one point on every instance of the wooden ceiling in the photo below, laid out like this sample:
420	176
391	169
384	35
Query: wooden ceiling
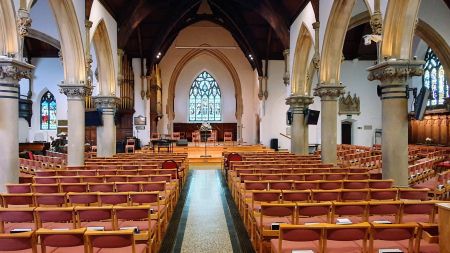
34	48
354	44
260	27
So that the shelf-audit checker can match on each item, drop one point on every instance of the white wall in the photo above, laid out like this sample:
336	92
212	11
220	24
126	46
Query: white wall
223	78
46	76
273	122
209	33
141	106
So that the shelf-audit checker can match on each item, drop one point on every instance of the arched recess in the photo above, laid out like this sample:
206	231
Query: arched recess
71	42
425	32
333	43
105	61
300	66
398	28
221	58
436	42
9	41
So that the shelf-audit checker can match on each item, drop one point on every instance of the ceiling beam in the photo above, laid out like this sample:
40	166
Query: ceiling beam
140	11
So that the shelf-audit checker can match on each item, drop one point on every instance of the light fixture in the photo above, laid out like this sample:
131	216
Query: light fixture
158	55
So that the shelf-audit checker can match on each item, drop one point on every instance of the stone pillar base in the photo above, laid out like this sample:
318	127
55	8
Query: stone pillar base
106	134
299	129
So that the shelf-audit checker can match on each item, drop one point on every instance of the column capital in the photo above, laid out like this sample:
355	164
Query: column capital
23	22
329	92
75	91
106	102
13	70
298	103
395	71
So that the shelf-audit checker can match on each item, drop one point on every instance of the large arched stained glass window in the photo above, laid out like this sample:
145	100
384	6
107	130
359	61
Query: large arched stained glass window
204	99
434	79
48	111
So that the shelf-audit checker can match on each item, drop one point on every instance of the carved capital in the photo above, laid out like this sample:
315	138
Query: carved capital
106	102
298	103
395	71
13	70
73	91
316	25
23	22
329	92
376	23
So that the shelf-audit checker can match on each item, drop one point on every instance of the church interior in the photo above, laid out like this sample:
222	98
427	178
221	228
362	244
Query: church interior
269	126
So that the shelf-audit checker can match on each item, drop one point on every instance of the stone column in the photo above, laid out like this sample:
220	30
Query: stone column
106	134
299	129
76	94
393	75
11	71
329	95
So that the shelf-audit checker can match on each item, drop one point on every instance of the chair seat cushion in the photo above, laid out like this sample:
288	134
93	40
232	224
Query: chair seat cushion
344	246
140	248
288	246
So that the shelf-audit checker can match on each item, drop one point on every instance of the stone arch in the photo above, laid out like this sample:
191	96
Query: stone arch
333	42
221	58
425	32
300	67
398	28
71	42
105	61
9	41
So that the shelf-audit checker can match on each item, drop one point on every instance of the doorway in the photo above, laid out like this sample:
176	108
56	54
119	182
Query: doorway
346	132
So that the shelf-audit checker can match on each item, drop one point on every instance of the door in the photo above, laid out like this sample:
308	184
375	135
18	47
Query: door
346	133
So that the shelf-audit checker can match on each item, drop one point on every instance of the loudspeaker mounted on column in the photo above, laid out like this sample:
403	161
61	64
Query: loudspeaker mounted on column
289	117
311	116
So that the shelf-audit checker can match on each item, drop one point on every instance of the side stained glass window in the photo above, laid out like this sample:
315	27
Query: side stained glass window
434	79
48	112
205	99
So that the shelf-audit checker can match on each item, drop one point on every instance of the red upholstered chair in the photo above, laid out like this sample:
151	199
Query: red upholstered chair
306	185
354	194
45	188
298	237
113	198
20	242
383	194
50	199
55	217
346	238
14	218
381	184
325	195
196	137
426	238
45	180
356	212
17	199
93	179
62	241
74	187
95	216
392	236
18	188
269	214
142	217
330	185
82	198
128	187
313	212
280	185
296	196
70	180
101	187
356	184
418	211
228	137
385	211
171	164
176	135
413	194
113	242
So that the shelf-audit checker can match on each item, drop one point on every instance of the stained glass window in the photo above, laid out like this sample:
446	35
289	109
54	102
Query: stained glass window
434	79
204	99
48	111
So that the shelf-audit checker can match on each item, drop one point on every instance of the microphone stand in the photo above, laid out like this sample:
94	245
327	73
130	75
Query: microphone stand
206	140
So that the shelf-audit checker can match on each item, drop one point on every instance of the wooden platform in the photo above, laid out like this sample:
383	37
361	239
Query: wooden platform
195	152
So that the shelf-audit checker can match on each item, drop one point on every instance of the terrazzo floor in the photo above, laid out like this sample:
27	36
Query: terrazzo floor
207	219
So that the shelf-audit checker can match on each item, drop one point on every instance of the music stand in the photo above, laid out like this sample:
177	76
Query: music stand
205	131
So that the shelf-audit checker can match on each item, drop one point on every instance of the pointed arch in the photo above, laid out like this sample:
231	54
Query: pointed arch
187	58
105	61
300	67
9	40
398	28
330	65
71	42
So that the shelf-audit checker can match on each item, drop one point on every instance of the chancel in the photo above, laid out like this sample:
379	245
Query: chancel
224	126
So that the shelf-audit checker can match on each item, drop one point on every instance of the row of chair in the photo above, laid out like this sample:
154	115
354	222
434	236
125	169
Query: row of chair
362	237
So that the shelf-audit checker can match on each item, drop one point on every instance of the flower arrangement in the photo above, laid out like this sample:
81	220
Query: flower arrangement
428	140
205	127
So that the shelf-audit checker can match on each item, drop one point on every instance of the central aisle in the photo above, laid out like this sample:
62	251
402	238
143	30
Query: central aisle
206	225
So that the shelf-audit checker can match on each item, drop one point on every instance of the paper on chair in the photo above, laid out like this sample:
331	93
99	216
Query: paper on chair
390	251
20	230
343	221
382	222
96	228
302	251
